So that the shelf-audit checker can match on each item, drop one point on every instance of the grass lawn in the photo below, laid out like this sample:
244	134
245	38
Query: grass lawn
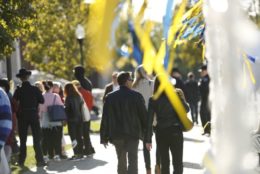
29	162
30	159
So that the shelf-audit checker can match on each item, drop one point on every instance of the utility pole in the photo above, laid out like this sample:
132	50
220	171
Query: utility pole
9	68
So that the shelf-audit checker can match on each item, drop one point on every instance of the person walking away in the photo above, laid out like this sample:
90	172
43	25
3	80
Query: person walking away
144	86
123	123
51	131
73	105
205	113
192	95
168	130
88	148
84	81
57	89
28	97
5	129
175	73
111	86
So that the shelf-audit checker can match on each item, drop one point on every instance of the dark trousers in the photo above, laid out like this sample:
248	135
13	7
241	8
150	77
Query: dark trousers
24	121
127	150
75	132
158	155
86	138
194	111
147	157
205	116
171	139
51	141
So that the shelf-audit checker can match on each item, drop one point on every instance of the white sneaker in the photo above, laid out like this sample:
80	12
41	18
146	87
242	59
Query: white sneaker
56	158
46	158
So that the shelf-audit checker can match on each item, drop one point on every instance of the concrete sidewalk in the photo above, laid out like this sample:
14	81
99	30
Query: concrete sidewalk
105	161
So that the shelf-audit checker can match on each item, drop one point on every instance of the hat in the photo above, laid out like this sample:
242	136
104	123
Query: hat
175	69
23	72
202	68
79	69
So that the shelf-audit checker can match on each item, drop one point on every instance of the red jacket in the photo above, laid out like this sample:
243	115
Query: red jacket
87	96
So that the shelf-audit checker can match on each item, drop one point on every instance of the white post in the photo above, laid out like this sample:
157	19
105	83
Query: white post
230	100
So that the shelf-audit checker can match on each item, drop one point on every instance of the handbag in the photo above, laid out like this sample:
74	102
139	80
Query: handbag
56	112
85	112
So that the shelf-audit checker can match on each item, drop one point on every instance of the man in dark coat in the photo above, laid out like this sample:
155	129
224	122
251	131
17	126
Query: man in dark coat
79	75
111	86
192	95
177	75
205	113
123	123
28	98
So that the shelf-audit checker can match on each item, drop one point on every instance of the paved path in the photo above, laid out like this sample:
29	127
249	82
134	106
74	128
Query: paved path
105	161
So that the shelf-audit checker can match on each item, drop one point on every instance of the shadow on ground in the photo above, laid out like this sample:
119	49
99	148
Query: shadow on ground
192	165
193	140
67	165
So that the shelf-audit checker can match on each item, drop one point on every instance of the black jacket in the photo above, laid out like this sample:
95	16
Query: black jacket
85	83
191	91
73	106
204	89
166	115
29	97
123	116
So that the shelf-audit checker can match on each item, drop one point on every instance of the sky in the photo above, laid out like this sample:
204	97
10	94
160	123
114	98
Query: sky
156	8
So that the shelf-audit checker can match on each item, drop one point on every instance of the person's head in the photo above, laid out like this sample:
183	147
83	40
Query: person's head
125	79
190	76
23	74
114	77
70	89
76	83
39	85
140	73
5	85
48	85
203	70
79	71
56	87
175	72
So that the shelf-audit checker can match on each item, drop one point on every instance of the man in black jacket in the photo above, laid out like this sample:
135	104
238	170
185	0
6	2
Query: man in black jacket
123	123
79	74
192	95
205	113
28	97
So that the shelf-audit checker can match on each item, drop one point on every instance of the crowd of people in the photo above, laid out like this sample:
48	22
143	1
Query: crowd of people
130	113
29	107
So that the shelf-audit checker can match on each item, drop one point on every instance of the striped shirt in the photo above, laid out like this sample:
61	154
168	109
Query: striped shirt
5	117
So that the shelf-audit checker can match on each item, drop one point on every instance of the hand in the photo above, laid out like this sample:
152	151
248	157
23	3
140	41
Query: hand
148	146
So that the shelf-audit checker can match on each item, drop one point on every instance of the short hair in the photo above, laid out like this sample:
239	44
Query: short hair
122	77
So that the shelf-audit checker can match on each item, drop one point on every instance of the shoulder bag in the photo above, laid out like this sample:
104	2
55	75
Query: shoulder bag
56	112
